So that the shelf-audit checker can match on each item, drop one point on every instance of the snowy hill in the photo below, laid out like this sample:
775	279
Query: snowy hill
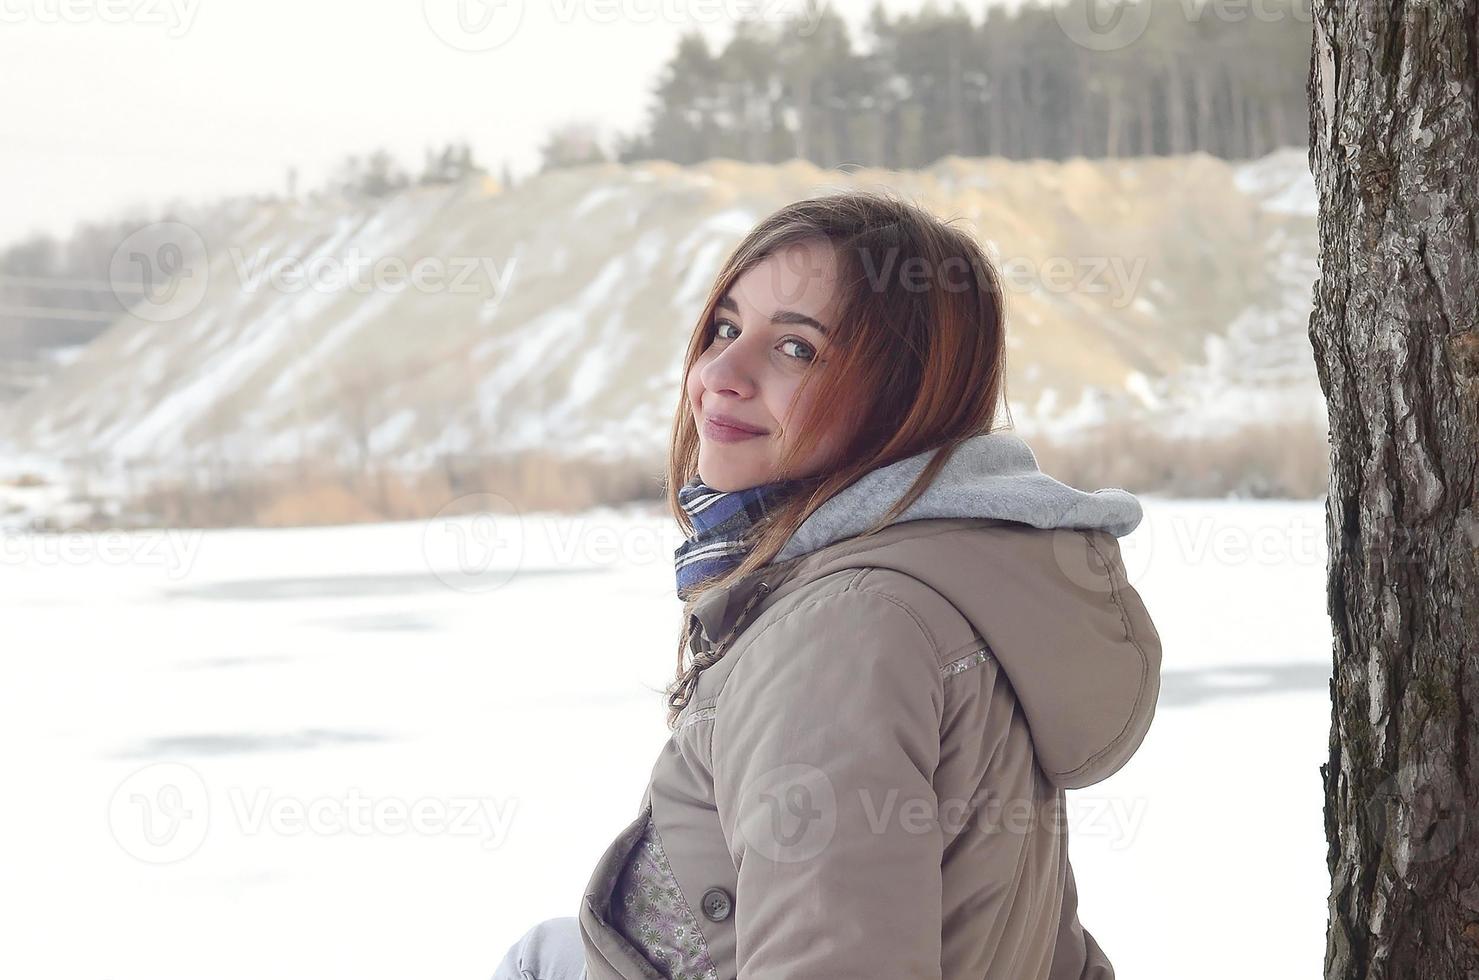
1170	290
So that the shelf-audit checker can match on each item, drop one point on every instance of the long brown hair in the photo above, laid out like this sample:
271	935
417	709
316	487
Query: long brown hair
919	325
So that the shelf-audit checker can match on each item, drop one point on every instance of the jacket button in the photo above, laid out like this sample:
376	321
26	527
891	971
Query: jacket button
717	904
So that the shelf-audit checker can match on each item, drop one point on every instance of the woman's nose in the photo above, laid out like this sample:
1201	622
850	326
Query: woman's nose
732	370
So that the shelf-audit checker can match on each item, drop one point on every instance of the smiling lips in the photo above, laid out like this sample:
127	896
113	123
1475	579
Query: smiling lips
722	428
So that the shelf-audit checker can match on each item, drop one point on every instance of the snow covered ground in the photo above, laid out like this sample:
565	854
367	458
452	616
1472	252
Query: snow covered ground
386	751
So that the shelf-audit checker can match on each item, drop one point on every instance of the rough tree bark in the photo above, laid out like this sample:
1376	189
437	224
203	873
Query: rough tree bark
1394	95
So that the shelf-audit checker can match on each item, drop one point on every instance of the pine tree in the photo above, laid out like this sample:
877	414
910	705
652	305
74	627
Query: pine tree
1394	147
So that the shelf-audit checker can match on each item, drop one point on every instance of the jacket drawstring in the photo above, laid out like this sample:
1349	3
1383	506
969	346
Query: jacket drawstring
713	655
707	658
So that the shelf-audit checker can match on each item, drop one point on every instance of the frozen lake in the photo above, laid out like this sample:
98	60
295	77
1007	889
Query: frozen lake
387	750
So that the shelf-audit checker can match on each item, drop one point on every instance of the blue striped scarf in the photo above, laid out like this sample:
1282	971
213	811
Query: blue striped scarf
721	519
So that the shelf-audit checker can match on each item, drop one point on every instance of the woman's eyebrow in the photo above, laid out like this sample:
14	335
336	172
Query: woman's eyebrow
779	316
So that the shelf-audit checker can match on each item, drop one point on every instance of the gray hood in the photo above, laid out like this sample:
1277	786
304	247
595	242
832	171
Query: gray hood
992	475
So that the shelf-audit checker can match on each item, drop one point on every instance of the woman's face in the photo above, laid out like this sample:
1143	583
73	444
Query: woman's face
767	333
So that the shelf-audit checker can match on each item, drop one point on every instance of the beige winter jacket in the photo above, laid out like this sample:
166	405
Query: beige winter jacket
870	782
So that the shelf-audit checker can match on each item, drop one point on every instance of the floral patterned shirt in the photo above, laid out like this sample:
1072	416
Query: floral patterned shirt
649	909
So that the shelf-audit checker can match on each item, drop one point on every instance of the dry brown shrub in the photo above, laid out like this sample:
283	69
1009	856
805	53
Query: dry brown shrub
1273	461
1263	461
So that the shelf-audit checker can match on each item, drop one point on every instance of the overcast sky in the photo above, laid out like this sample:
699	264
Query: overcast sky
110	104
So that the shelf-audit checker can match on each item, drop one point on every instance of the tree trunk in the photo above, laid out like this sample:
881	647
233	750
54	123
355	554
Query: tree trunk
1278	126
1147	117
1203	117
954	99
1114	103
1394	98
803	114
1176	106
1237	101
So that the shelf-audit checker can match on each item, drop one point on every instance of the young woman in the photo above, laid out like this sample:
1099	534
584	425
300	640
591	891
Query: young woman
903	641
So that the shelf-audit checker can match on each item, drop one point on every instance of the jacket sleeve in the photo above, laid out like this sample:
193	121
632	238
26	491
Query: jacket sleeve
1077	956
825	744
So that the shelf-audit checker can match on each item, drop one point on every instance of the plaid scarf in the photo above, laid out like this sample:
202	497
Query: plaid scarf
721	519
